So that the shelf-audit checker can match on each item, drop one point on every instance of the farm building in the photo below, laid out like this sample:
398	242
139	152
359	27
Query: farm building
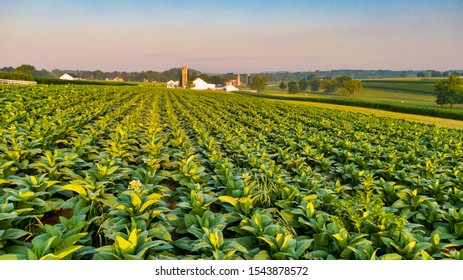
202	85
68	76
172	84
230	87
115	79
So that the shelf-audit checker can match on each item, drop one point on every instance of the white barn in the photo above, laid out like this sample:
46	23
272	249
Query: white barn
172	84
202	85
68	76
230	87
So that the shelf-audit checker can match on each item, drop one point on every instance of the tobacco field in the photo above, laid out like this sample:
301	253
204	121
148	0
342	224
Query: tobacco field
100	172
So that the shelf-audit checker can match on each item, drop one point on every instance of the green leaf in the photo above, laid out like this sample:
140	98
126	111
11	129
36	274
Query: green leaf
321	239
108	200
8	216
302	246
9	257
71	240
262	255
159	231
151	199
13	233
269	241
236	247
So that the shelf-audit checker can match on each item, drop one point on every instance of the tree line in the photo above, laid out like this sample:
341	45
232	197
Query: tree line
355	74
346	84
172	74
29	72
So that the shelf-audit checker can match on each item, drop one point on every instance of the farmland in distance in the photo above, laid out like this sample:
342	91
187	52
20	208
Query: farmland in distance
92	172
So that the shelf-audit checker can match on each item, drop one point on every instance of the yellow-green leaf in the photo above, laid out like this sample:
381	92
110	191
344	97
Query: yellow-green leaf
124	244
61	254
133	237
136	201
76	188
25	194
232	200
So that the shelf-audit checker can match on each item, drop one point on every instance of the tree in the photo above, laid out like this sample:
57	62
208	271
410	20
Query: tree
351	87
293	87
303	84
25	69
99	75
435	74
259	83
343	79
449	91
282	85
315	84
311	76
329	85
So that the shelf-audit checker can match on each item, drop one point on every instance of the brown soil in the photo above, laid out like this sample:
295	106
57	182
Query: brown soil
52	217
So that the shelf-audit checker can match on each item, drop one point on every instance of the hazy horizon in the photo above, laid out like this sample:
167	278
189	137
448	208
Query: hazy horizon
238	36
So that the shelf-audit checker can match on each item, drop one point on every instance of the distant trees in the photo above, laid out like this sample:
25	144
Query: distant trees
342	79
303	84
315	84
421	74
449	91
210	79
351	87
329	85
259	83
25	69
293	87
311	76
282	85
433	74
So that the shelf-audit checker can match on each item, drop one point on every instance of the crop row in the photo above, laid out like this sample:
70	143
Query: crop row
152	173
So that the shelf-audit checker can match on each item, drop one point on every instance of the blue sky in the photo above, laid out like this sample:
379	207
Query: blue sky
232	36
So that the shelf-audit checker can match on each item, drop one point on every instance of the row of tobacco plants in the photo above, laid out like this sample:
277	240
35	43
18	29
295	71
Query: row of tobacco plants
91	172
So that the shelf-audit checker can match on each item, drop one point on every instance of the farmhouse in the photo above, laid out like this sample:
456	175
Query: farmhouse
172	84
69	76
199	84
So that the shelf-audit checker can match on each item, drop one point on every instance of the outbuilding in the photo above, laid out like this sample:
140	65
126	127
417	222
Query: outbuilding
230	87
199	84
172	84
68	76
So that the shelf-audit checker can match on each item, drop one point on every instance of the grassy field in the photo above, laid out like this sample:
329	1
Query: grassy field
369	94
419	86
440	122
410	96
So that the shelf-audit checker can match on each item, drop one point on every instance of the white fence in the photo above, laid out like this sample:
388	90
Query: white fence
16	82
